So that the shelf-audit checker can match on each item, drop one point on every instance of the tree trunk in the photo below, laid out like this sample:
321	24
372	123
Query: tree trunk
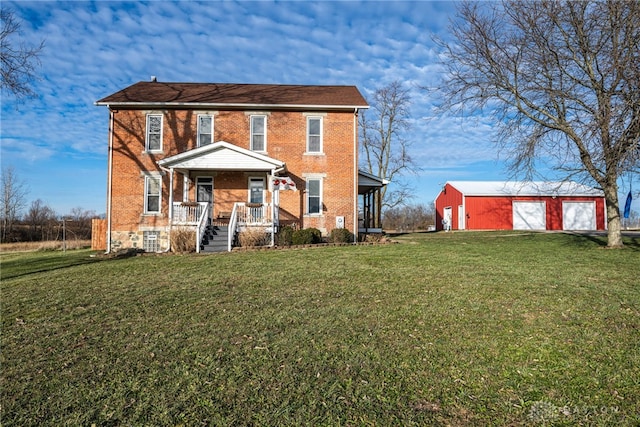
614	225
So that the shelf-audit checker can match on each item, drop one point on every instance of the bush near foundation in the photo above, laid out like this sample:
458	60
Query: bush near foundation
340	235
285	236
306	236
253	237
183	240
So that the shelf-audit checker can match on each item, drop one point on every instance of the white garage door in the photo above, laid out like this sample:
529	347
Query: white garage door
529	216
578	216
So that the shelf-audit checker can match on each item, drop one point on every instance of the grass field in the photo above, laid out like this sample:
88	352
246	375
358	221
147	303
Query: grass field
439	329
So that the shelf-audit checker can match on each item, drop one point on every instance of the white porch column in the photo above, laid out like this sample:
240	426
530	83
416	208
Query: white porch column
185	187
170	195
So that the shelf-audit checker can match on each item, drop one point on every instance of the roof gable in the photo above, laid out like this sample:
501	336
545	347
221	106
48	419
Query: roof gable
236	95
524	188
221	156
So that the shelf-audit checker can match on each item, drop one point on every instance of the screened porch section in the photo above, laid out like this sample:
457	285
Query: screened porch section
369	209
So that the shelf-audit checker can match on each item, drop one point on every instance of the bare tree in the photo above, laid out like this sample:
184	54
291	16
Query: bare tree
14	192
409	217
562	79
80	222
18	61
42	221
385	151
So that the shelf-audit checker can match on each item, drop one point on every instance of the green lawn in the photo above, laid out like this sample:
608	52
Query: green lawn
439	329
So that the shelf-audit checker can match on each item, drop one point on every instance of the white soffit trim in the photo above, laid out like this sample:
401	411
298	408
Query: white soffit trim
368	179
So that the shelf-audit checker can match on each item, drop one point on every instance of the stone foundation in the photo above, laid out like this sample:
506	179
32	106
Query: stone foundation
135	239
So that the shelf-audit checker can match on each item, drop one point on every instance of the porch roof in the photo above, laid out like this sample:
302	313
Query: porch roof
368	182
221	155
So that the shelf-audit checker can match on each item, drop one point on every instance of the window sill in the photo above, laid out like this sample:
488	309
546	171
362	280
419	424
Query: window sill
312	153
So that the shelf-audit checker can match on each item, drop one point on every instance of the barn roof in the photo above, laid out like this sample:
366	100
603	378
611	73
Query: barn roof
525	188
236	95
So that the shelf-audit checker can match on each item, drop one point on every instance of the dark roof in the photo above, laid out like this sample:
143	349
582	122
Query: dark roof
240	95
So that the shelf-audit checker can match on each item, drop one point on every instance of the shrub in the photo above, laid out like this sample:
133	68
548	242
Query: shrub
340	235
285	236
183	240
253	237
306	236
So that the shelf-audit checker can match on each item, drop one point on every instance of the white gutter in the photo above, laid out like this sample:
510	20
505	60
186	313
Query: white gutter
228	105
109	180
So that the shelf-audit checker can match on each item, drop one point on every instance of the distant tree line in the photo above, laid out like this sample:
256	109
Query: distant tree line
39	222
409	217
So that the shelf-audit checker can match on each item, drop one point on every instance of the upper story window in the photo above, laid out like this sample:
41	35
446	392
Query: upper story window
154	132
152	185
205	129
259	133
314	134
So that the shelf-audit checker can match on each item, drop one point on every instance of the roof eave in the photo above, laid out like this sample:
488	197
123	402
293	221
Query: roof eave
231	105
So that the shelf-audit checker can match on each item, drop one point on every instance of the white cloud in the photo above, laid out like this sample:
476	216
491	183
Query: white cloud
96	48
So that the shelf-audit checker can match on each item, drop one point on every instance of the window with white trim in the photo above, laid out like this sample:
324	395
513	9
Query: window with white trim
259	133
314	196
154	132
205	129
314	134
152	186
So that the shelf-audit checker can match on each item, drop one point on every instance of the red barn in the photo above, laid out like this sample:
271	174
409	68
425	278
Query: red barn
498	205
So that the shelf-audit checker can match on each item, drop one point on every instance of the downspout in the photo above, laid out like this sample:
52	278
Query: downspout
355	175
170	209
275	198
273	205
109	180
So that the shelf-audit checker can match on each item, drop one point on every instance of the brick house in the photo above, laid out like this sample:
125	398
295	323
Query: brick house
219	158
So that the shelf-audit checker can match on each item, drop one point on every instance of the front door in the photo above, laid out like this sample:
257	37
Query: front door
255	211
446	218
256	190
204	191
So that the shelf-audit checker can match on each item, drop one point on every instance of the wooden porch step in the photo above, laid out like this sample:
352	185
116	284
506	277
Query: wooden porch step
215	239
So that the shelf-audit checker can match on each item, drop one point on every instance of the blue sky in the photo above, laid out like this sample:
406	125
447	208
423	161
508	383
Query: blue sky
57	143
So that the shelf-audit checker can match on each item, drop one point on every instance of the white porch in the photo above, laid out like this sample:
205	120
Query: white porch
221	157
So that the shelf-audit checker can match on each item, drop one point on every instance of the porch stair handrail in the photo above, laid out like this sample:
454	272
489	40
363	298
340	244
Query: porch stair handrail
233	225
202	223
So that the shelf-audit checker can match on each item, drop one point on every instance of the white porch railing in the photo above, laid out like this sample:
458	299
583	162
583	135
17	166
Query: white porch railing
254	213
188	213
243	215
250	215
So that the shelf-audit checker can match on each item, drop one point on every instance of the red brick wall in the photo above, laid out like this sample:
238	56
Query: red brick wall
286	141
